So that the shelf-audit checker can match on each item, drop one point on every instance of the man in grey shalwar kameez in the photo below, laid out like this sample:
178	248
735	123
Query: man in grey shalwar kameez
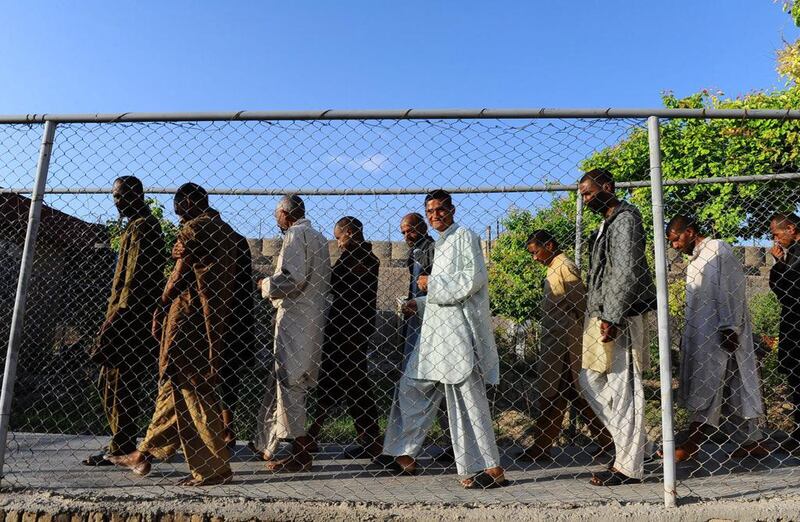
719	377
455	357
298	289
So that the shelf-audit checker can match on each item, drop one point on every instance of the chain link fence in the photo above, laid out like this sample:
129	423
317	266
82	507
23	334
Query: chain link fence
270	374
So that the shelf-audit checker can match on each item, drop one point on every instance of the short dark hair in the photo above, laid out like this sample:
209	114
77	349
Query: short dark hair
441	195
352	225
681	223
785	218
192	192
541	237
599	177
130	184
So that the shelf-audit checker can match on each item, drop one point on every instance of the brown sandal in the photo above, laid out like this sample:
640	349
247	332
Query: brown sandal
289	464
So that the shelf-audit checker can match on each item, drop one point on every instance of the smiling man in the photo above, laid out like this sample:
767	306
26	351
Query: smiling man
454	359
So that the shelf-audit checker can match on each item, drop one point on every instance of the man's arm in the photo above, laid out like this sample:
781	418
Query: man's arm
619	280
291	275
456	287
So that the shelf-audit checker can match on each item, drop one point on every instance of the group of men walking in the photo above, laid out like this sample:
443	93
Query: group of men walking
593	338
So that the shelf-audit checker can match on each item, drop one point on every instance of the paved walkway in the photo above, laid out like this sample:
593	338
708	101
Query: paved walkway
51	463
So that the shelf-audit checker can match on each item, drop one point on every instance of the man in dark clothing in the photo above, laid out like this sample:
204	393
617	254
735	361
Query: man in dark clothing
351	322
239	347
420	262
784	280
125	349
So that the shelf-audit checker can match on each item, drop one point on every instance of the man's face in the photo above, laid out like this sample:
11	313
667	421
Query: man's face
595	197
411	231
343	237
541	254
439	214
683	241
182	207
282	219
783	233
122	199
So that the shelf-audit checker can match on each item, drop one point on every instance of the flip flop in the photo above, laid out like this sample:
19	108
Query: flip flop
402	470
483	480
97	460
190	481
612	477
289	465
141	469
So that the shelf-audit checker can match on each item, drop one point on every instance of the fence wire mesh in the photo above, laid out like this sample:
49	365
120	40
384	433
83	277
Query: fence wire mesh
287	337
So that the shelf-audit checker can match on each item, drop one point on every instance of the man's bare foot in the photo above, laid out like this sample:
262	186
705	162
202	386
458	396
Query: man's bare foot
294	463
137	462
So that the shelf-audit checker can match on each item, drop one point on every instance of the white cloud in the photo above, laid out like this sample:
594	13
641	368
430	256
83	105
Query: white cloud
369	163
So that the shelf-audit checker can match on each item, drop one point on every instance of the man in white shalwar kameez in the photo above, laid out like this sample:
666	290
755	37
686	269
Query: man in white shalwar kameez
298	289
455	357
719	379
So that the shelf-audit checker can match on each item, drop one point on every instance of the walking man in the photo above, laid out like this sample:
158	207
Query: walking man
298	289
125	350
718	370
620	293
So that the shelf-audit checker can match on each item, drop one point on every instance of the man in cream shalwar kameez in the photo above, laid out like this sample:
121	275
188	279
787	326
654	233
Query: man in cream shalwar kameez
455	357
719	379
298	289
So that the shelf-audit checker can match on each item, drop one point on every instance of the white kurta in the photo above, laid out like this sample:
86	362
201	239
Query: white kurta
454	359
456	334
715	300
298	289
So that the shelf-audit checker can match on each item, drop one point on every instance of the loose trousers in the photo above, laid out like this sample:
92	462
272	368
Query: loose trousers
725	409
617	397
471	430
188	416
282	414
118	389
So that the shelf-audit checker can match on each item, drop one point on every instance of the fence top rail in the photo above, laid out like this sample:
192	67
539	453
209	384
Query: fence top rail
412	191
404	114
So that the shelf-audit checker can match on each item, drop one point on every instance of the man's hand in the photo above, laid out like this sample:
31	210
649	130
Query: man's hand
156	328
608	331
422	283
409	308
729	340
178	250
777	252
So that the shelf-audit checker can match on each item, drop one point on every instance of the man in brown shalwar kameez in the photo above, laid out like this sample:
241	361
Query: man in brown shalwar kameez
198	301
125	349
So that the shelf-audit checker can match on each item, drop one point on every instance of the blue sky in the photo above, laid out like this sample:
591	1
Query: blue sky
74	57
200	55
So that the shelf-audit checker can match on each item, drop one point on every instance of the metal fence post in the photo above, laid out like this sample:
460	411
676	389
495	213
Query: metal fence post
26	268
665	365
578	227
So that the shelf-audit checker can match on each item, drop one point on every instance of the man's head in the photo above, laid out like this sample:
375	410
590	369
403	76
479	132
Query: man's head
542	246
348	231
191	200
683	234
289	209
128	194
596	187
440	210
785	228
413	228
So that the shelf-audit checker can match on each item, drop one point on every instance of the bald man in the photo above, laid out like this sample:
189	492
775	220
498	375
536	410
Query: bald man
298	290
420	262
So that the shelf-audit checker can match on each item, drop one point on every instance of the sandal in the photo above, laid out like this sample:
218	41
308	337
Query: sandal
289	465
263	455
190	481
612	477
399	469
483	480
97	460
